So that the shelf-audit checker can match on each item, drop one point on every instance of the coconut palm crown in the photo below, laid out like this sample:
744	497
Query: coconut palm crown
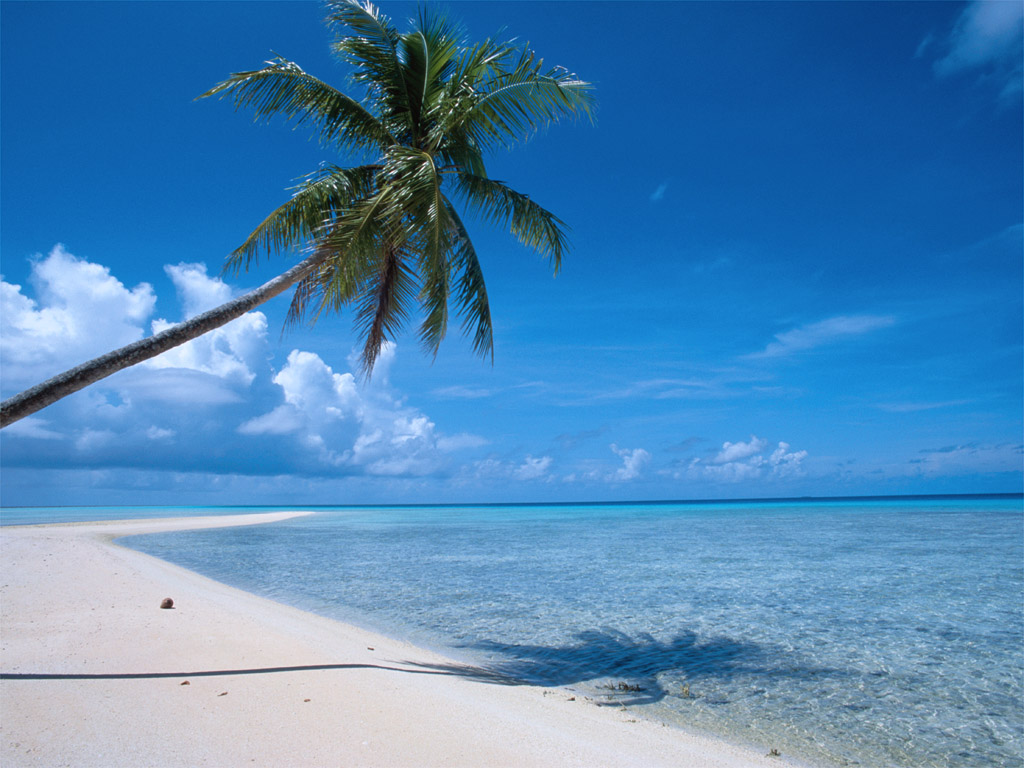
387	236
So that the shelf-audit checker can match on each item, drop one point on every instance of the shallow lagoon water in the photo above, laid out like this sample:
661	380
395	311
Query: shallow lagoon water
876	633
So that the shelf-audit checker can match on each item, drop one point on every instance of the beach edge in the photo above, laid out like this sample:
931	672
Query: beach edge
94	672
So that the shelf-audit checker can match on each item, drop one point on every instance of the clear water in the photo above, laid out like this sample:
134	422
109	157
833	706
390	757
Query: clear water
881	633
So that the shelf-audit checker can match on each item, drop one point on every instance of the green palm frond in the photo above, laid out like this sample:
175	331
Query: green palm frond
283	88
384	305
470	290
511	106
534	226
429	56
368	42
302	218
425	230
385	238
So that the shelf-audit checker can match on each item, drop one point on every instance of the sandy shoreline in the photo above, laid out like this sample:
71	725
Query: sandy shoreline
94	673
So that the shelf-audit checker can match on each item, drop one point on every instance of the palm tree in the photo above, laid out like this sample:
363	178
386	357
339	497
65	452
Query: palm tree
385	236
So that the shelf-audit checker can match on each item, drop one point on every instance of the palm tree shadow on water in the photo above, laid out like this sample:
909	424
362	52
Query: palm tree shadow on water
637	662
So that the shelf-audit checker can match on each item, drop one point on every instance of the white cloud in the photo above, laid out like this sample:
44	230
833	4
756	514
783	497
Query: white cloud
633	463
732	472
81	311
228	352
281	421
33	427
308	419
353	426
381	366
311	386
532	469
659	193
737	451
178	386
490	470
823	333
739	462
987	38
196	291
784	462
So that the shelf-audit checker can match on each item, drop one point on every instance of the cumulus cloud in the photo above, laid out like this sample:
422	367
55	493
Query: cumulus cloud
784	462
633	462
192	407
532	469
228	352
80	311
353	427
196	290
738	462
823	333
732	452
986	39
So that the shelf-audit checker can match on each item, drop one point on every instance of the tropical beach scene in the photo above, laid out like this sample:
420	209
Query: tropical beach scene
512	384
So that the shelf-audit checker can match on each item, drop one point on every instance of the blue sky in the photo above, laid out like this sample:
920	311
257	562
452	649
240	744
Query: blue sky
796	265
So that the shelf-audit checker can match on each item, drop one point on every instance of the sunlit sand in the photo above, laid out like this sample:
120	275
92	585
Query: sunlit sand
95	673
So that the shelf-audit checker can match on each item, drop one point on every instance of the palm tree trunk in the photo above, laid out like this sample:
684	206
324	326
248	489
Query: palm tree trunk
62	385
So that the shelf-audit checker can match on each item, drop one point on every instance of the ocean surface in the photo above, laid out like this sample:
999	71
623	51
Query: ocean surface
883	632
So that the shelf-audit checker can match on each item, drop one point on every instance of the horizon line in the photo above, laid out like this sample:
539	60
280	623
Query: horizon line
408	505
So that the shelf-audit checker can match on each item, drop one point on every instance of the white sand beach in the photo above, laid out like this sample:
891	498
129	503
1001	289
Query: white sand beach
95	673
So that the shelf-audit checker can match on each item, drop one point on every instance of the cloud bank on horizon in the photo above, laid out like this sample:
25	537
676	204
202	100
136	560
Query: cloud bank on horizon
310	419
217	406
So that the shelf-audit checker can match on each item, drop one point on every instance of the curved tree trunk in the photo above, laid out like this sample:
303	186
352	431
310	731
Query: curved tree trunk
62	385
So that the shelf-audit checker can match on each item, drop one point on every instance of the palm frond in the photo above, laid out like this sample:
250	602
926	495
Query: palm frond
509	106
386	237
385	303
470	290
368	42
434	247
338	280
419	211
283	88
534	226
429	56
351	245
315	202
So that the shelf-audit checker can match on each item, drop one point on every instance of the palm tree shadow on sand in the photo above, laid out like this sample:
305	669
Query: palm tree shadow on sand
634	663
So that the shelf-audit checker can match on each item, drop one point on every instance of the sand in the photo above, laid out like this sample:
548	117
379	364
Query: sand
95	673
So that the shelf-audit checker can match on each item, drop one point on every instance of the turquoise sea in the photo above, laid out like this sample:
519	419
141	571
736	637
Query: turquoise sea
873	632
